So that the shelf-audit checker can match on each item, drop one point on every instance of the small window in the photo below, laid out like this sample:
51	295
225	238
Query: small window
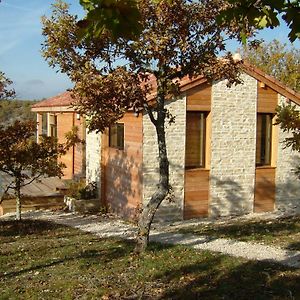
195	140
116	136
45	124
53	126
263	139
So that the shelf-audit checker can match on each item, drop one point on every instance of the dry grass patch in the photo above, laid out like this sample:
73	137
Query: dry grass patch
41	260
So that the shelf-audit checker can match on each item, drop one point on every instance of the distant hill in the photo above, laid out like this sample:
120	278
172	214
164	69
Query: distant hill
12	110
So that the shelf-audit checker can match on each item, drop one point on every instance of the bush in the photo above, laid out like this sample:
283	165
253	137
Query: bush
80	190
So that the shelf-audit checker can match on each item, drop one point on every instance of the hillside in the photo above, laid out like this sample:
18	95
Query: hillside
12	110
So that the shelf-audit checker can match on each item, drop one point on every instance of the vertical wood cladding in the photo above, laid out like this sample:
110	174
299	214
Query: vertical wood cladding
65	124
74	158
196	188
196	193
267	99
122	188
264	191
264	197
79	149
199	98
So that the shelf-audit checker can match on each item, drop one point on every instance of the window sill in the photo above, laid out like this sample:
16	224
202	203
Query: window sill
196	169
265	167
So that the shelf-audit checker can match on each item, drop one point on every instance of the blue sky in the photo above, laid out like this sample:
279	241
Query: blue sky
20	45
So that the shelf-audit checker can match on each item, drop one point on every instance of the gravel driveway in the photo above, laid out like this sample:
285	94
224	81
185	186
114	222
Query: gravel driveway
112	227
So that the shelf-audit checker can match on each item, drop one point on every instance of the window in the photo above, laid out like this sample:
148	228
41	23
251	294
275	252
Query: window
263	139
53	125
116	136
195	139
44	124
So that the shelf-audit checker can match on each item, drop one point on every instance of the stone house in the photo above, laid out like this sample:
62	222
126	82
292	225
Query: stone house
56	117
226	155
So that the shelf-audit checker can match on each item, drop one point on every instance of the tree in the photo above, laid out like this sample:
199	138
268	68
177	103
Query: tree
277	60
263	14
288	117
25	160
5	93
122	18
178	38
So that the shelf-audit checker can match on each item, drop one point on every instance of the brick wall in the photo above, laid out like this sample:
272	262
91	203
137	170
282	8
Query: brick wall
233	143
287	184
175	137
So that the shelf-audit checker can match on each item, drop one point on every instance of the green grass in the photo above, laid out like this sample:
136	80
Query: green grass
282	232
40	260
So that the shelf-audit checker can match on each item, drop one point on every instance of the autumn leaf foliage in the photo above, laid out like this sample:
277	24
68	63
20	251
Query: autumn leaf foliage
25	160
178	39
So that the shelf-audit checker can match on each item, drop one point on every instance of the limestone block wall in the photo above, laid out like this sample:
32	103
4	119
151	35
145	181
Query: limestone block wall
93	158
233	144
175	137
287	184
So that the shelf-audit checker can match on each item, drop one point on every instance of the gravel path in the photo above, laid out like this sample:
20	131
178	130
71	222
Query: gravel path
112	227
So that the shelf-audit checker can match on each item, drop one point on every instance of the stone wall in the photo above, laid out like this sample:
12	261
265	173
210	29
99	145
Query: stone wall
175	136
93	158
233	143
287	184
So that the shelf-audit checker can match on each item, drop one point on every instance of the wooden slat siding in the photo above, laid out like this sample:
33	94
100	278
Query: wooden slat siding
199	98
196	188
39	120
32	203
122	186
196	193
264	189
267	99
79	151
64	124
104	158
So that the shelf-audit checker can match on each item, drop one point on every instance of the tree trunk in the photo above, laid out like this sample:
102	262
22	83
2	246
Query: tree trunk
18	201
149	210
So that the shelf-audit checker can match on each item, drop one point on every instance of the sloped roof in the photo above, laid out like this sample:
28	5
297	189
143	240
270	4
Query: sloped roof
272	82
186	83
62	102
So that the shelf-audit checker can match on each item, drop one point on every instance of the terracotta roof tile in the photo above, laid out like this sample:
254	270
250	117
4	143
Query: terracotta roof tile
64	99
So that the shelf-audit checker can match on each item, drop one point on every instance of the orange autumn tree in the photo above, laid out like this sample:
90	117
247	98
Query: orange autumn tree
111	74
24	160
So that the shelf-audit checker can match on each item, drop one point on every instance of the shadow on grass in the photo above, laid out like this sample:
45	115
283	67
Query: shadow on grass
294	246
10	228
246	230
216	278
90	256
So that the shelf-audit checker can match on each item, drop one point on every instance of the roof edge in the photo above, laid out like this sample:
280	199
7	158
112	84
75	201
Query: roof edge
271	81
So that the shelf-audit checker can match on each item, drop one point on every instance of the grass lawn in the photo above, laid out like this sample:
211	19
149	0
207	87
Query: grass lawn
282	232
41	260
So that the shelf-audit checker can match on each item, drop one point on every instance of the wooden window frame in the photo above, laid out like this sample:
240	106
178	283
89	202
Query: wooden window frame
44	124
202	142
53	127
117	142
266	138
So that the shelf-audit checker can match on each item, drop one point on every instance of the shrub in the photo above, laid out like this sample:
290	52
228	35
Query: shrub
78	189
